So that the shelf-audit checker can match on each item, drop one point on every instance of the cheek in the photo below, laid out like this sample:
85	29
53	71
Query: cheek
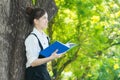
41	22
44	22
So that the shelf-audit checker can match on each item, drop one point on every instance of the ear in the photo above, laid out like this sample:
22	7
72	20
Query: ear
35	21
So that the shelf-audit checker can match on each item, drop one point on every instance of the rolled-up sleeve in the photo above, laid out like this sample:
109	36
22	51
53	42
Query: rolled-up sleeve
32	49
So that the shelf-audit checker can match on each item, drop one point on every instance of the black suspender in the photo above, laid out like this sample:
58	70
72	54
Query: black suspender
40	42
48	40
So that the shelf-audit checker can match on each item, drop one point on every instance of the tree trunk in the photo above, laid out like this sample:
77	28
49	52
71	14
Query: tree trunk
13	30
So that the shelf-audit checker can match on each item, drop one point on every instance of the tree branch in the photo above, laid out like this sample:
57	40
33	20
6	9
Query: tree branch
112	45
67	62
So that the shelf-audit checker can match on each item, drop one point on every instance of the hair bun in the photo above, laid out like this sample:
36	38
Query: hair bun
29	10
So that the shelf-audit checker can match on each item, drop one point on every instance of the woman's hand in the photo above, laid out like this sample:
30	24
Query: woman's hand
55	55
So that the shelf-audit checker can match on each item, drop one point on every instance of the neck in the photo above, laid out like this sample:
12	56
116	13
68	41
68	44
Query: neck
38	28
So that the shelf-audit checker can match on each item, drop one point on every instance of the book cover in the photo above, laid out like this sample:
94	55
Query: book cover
56	45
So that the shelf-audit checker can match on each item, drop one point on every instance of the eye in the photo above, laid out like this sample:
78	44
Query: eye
45	17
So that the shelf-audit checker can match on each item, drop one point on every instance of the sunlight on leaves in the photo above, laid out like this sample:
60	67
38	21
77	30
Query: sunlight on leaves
116	66
95	19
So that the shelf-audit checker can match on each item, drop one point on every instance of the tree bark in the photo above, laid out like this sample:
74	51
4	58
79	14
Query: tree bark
13	30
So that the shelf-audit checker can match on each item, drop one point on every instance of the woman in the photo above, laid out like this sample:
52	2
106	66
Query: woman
37	41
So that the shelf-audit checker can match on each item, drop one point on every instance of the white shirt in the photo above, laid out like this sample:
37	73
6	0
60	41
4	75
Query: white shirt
32	45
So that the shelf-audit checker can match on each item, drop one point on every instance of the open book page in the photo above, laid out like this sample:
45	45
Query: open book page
70	45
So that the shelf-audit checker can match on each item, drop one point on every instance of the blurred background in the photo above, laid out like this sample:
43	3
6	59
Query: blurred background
95	26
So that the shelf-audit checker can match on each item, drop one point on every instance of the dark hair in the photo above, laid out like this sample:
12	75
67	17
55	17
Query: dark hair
34	13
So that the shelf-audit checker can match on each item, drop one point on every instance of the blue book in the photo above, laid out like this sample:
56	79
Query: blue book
56	46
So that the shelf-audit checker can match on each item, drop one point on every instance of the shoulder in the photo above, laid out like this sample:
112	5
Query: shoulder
30	38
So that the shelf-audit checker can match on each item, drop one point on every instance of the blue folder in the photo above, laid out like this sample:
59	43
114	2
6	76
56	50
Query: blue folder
56	45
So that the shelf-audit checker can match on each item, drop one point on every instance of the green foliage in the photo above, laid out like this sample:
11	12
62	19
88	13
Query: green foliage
94	26
33	2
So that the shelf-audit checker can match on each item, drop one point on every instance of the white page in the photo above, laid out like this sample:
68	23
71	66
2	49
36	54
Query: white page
70	45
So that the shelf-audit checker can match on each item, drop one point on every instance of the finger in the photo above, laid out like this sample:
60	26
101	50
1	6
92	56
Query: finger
63	53
56	51
60	55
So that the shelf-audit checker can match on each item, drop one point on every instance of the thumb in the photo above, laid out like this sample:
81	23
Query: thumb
56	51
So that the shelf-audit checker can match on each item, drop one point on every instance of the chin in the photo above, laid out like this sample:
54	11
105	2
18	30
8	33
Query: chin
44	27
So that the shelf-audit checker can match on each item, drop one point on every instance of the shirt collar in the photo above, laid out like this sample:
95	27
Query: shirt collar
38	33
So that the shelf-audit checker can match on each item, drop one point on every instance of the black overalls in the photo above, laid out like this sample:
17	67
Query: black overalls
39	72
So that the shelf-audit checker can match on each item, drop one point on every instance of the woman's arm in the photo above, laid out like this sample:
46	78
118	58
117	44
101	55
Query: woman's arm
44	60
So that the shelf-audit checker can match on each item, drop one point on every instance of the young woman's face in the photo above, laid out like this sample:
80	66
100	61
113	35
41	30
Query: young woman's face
42	22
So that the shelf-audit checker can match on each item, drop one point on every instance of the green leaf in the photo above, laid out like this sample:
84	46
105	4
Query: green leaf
33	2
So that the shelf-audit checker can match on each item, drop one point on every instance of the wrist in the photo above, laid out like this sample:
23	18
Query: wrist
51	58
